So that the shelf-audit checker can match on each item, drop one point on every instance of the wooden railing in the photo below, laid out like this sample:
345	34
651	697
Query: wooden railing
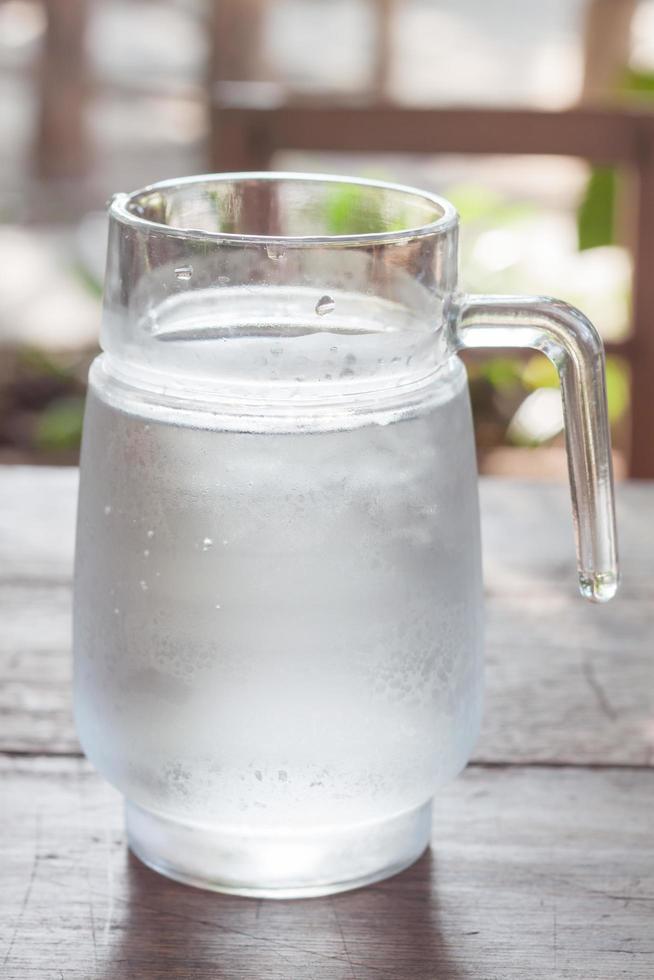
246	138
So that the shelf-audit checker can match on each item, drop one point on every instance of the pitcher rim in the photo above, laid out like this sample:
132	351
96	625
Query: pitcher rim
120	203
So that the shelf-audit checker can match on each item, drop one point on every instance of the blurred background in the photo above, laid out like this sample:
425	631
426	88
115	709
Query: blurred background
540	130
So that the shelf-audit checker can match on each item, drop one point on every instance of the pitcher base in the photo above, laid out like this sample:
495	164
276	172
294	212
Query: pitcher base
283	864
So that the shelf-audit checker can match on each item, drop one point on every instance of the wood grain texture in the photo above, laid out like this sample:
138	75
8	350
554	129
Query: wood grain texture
536	871
567	682
528	877
604	135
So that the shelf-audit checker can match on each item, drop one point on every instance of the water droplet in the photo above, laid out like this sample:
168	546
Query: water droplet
150	533
218	606
116	611
223	280
206	543
107	509
146	552
144	585
184	273
276	252
325	305
225	541
157	574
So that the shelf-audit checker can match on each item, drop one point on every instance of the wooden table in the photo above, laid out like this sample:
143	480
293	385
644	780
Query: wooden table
542	863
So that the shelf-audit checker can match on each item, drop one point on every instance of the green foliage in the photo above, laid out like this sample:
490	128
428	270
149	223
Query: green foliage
638	82
92	285
354	210
60	424
37	362
539	372
617	387
499	385
596	214
501	372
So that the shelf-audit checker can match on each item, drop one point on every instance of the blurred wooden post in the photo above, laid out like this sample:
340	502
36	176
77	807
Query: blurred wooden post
382	47
236	73
607	42
642	361
62	148
606	47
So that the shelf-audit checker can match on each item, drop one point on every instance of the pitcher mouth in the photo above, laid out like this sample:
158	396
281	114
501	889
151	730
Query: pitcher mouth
209	207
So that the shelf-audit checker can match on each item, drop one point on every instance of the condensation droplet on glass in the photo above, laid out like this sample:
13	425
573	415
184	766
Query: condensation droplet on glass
218	606
144	585
116	611
225	541
206	543
325	305
150	533
184	273
107	509
276	252
146	552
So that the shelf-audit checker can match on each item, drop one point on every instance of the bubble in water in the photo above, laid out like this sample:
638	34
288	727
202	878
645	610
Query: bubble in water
325	305
107	509
146	552
116	611
150	533
144	585
184	273
206	543
276	252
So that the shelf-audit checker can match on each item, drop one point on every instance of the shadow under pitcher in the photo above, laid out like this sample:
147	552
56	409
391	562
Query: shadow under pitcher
278	595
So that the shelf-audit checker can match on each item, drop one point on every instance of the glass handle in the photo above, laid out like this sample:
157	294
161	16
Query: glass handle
575	348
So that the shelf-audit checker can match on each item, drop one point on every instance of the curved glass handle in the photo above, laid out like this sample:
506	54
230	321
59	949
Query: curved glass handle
575	348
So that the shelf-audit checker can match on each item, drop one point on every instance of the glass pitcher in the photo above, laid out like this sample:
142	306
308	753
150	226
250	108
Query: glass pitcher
278	594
